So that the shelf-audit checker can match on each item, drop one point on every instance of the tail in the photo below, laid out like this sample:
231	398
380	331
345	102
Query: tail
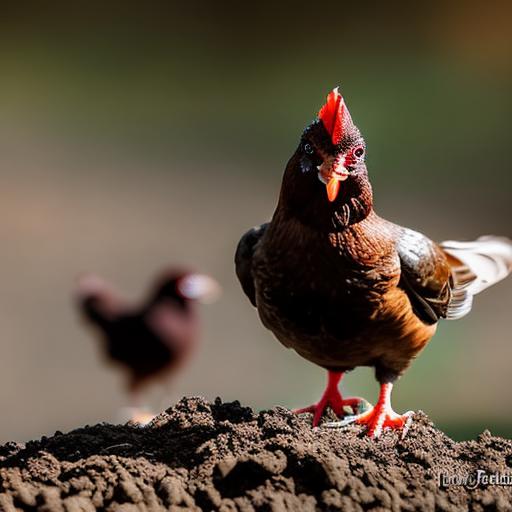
476	266
97	300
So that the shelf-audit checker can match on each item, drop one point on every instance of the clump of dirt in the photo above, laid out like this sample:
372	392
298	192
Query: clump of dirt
223	456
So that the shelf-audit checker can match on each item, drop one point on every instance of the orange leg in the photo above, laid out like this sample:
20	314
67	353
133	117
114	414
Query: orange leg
382	415
331	398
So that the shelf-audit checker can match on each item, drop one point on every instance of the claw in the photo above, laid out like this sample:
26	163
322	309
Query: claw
347	420
408	423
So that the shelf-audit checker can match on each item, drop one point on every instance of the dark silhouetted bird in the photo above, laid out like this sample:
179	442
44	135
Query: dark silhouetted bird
153	339
344	287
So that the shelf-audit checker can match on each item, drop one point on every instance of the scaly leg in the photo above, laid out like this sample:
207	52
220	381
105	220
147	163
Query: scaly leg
331	398
136	412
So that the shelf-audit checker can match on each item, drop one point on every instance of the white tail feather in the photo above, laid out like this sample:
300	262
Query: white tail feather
476	266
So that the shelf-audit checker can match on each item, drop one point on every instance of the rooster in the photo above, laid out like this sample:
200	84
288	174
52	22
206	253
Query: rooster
344	287
151	340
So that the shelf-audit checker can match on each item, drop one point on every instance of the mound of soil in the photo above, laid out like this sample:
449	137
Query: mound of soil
223	456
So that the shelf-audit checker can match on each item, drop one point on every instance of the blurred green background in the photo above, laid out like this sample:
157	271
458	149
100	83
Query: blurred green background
137	136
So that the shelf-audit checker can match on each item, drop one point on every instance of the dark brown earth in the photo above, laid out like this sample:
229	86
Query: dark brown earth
223	456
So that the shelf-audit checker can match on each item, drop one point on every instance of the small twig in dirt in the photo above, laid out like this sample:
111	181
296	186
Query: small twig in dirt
114	446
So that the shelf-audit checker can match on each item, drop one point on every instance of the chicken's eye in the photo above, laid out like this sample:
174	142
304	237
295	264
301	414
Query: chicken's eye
308	149
359	152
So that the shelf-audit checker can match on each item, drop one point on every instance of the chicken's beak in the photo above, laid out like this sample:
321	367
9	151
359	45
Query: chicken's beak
200	287
332	173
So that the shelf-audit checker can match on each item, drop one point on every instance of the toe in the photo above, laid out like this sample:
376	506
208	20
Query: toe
319	411
304	410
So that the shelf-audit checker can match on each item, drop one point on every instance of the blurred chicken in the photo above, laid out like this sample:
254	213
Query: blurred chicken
153	339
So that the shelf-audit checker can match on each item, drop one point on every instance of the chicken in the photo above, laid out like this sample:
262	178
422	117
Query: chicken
344	287
153	339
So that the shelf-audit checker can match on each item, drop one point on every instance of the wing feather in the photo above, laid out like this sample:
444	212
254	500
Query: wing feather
243	260
425	275
475	266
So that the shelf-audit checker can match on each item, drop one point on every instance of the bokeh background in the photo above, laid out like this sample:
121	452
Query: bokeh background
133	137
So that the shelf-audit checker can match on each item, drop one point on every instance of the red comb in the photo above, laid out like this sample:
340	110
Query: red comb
335	116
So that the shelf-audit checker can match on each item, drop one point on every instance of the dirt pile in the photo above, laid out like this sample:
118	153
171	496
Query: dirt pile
222	456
